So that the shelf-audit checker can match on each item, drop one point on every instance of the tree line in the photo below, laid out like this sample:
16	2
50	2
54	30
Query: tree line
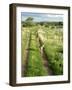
30	22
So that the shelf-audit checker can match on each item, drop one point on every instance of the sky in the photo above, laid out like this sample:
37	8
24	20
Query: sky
39	17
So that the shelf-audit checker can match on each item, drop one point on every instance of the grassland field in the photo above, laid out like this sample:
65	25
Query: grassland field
32	39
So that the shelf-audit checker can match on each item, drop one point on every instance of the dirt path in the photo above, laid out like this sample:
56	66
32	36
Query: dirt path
45	61
46	64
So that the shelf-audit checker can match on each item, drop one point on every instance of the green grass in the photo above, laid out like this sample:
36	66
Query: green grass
55	59
35	63
53	48
25	34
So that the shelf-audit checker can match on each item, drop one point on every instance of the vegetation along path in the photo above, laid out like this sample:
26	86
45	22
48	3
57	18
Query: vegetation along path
45	61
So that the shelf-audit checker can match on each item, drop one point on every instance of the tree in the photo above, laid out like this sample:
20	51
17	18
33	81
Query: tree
29	22
29	19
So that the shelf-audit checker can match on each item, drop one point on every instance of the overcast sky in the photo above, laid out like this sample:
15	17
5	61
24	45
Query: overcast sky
38	17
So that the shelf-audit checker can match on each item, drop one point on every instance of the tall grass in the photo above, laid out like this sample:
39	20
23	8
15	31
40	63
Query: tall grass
35	65
53	48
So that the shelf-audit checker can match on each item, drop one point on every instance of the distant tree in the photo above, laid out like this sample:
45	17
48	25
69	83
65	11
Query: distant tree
60	23
29	19
29	22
